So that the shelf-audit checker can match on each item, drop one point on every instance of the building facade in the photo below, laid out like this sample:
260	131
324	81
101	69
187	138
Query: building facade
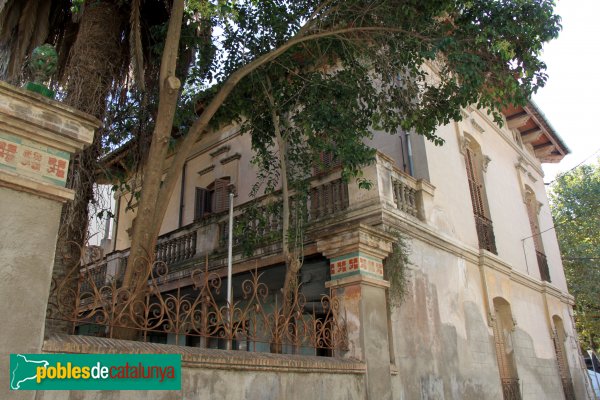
486	312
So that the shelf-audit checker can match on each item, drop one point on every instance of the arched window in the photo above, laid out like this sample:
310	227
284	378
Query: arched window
212	199
503	326
475	163
532	212
559	337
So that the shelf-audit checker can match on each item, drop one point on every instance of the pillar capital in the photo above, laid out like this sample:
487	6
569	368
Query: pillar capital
355	249
355	238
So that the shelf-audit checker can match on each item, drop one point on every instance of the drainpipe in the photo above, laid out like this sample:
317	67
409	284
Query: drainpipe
404	160
181	195
411	167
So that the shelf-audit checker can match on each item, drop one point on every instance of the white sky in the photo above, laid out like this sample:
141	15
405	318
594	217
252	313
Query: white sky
571	98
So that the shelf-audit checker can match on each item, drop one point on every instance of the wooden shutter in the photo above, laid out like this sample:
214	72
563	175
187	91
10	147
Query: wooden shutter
485	230
506	365
202	204
328	160
475	184
563	365
220	198
534	223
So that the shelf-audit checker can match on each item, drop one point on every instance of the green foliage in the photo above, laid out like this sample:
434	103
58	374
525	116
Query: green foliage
395	270
76	6
575	203
362	68
254	227
487	51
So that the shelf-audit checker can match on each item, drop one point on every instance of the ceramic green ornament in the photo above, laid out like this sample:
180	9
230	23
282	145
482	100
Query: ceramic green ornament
42	65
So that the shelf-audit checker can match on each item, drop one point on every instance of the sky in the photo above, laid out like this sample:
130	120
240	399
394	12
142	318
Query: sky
571	98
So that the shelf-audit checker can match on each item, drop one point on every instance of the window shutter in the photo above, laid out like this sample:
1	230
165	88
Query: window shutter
202	205
328	161
475	186
483	224
220	198
534	223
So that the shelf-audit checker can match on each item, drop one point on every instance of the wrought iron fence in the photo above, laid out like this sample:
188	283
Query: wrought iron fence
195	313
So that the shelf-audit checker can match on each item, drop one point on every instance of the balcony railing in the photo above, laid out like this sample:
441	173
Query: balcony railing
405	194
485	233
543	265
97	274
264	220
178	249
328	197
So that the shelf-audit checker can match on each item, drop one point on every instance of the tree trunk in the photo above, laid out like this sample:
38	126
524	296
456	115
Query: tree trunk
88	85
145	232
292	261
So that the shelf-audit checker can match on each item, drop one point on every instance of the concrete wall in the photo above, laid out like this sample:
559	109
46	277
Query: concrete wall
220	374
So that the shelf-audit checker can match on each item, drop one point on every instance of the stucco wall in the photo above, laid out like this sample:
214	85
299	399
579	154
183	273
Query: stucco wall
452	213
443	344
28	230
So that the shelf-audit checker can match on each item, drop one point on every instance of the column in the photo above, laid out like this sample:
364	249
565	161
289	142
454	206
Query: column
356	253
37	137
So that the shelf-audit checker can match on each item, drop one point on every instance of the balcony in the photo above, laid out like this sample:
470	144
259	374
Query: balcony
330	201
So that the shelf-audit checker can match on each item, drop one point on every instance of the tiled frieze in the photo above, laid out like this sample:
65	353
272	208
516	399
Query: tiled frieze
356	263
32	159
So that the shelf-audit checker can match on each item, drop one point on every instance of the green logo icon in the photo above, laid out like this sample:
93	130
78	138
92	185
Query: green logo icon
23	369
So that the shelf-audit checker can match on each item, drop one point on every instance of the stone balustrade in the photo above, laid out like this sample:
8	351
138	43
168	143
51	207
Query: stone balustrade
330	201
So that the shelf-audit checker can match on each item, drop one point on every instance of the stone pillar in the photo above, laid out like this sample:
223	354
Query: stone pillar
37	137
356	255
